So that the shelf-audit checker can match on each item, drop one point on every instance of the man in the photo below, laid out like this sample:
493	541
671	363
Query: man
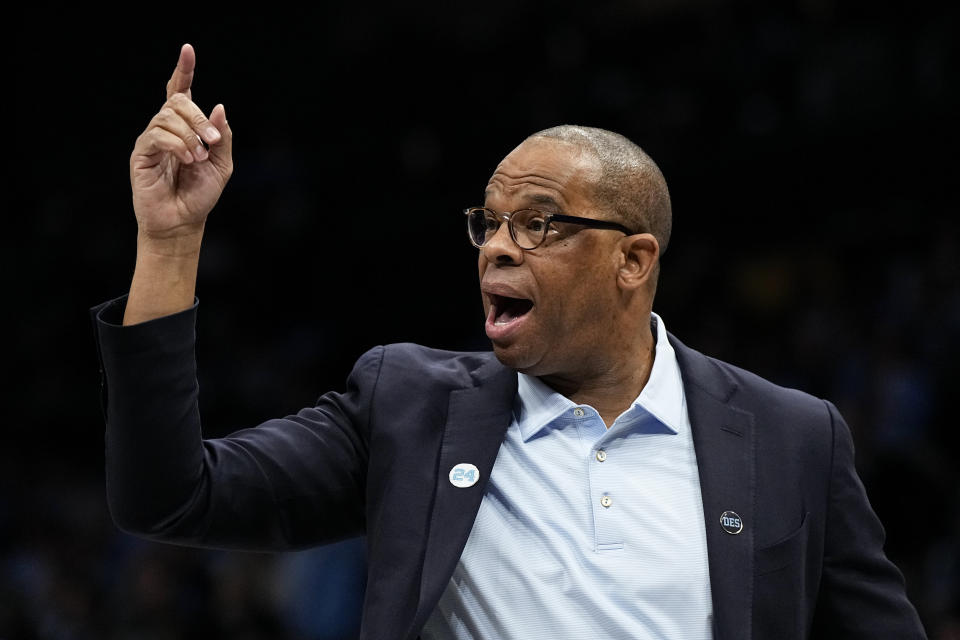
592	478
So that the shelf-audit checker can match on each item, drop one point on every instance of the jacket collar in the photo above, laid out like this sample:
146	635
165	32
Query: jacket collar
477	419
725	443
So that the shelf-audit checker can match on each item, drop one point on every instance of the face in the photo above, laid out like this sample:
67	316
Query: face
551	310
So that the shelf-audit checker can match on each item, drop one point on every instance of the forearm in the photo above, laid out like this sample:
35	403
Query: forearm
268	488
153	443
165	276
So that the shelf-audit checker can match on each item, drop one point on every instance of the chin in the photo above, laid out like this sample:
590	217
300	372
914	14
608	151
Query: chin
517	358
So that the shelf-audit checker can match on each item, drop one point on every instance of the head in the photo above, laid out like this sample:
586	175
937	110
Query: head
582	298
630	187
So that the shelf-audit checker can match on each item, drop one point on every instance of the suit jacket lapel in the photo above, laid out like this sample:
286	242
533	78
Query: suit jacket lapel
477	419
723	437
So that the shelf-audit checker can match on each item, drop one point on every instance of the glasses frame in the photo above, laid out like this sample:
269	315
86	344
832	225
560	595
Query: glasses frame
507	216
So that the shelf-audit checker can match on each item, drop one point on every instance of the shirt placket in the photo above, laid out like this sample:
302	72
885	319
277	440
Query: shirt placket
601	470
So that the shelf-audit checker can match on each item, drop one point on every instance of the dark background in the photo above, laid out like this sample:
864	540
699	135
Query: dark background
810	148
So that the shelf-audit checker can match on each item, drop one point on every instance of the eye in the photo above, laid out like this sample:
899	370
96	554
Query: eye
490	222
536	224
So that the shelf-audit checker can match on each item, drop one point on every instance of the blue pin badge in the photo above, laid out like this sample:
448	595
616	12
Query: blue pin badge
464	475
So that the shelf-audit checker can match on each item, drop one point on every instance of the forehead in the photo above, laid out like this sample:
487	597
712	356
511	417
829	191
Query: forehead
543	171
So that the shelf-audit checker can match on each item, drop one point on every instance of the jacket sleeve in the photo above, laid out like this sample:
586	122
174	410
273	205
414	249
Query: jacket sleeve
287	483
862	593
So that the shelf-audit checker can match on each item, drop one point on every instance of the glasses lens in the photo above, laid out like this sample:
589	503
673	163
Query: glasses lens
529	228
482	224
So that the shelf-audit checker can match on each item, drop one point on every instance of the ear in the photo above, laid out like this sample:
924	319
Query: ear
639	255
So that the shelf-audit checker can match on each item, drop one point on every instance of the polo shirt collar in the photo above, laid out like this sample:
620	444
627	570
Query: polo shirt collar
662	397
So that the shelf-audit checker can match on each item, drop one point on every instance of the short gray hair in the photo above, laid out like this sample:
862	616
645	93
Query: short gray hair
631	184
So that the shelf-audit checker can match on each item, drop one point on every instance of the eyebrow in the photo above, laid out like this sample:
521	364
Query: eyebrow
536	198
542	198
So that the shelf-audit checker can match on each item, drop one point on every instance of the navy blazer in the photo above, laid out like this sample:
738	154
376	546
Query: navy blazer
374	460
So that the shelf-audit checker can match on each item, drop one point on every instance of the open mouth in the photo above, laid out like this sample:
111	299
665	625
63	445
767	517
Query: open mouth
505	309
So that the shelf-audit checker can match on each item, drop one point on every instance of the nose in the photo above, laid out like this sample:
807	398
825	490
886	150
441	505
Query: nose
501	249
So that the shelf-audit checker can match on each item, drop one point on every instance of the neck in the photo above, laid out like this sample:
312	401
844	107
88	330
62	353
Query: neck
612	384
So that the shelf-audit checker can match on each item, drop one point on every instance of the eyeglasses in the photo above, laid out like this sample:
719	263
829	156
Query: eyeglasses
528	227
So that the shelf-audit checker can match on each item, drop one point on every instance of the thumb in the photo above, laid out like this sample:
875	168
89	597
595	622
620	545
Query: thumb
221	152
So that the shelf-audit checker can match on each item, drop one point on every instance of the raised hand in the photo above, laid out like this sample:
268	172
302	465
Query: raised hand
175	180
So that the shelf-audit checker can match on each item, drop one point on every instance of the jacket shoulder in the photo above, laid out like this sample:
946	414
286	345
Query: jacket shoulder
740	387
425	366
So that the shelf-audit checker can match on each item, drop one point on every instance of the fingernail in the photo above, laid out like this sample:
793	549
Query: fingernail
200	153
212	134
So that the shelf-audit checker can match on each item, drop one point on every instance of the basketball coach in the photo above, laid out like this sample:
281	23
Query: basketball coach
592	477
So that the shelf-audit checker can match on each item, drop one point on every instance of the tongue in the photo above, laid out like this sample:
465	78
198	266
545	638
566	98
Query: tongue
512	308
506	316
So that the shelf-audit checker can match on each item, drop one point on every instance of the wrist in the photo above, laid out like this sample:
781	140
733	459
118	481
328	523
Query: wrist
164	278
184	244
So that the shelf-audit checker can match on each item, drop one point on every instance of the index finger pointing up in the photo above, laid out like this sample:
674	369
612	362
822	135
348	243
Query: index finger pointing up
182	76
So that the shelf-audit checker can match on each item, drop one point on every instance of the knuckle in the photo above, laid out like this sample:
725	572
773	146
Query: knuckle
145	139
165	116
199	120
176	144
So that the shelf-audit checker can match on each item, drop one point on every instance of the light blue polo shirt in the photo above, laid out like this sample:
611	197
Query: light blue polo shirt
584	531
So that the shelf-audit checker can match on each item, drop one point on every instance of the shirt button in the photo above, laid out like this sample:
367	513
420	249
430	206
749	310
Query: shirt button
601	455
606	501
578	412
